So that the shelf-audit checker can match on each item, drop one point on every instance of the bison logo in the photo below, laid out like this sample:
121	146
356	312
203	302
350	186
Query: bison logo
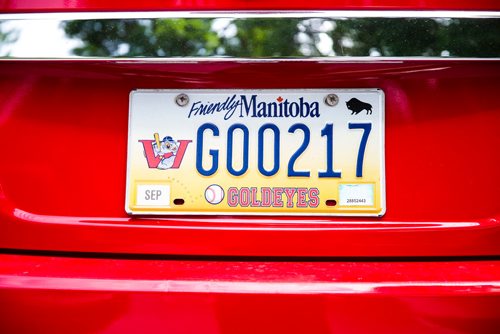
356	106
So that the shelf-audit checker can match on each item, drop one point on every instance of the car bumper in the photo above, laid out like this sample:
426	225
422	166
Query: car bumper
86	295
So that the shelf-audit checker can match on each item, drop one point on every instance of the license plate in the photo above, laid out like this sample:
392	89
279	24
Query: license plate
256	152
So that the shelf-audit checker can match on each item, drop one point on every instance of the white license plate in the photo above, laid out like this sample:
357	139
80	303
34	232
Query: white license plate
248	152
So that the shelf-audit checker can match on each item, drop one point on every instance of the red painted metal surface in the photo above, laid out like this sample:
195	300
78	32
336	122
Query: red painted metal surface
63	137
121	296
147	5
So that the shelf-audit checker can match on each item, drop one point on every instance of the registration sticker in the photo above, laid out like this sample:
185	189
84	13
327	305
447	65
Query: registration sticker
256	152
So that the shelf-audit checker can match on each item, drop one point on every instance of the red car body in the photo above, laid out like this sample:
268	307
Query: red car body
72	260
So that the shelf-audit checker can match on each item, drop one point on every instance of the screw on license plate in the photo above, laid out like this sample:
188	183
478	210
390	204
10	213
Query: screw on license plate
182	100
331	100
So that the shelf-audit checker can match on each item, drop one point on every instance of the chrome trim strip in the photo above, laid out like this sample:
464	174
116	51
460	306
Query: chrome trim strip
252	14
293	35
239	60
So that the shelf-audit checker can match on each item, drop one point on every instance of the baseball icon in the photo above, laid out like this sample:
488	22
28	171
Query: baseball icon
214	194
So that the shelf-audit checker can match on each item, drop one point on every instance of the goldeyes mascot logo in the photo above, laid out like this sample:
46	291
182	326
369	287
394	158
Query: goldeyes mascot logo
166	153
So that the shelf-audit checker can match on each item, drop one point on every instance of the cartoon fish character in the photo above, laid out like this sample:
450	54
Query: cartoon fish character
167	151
